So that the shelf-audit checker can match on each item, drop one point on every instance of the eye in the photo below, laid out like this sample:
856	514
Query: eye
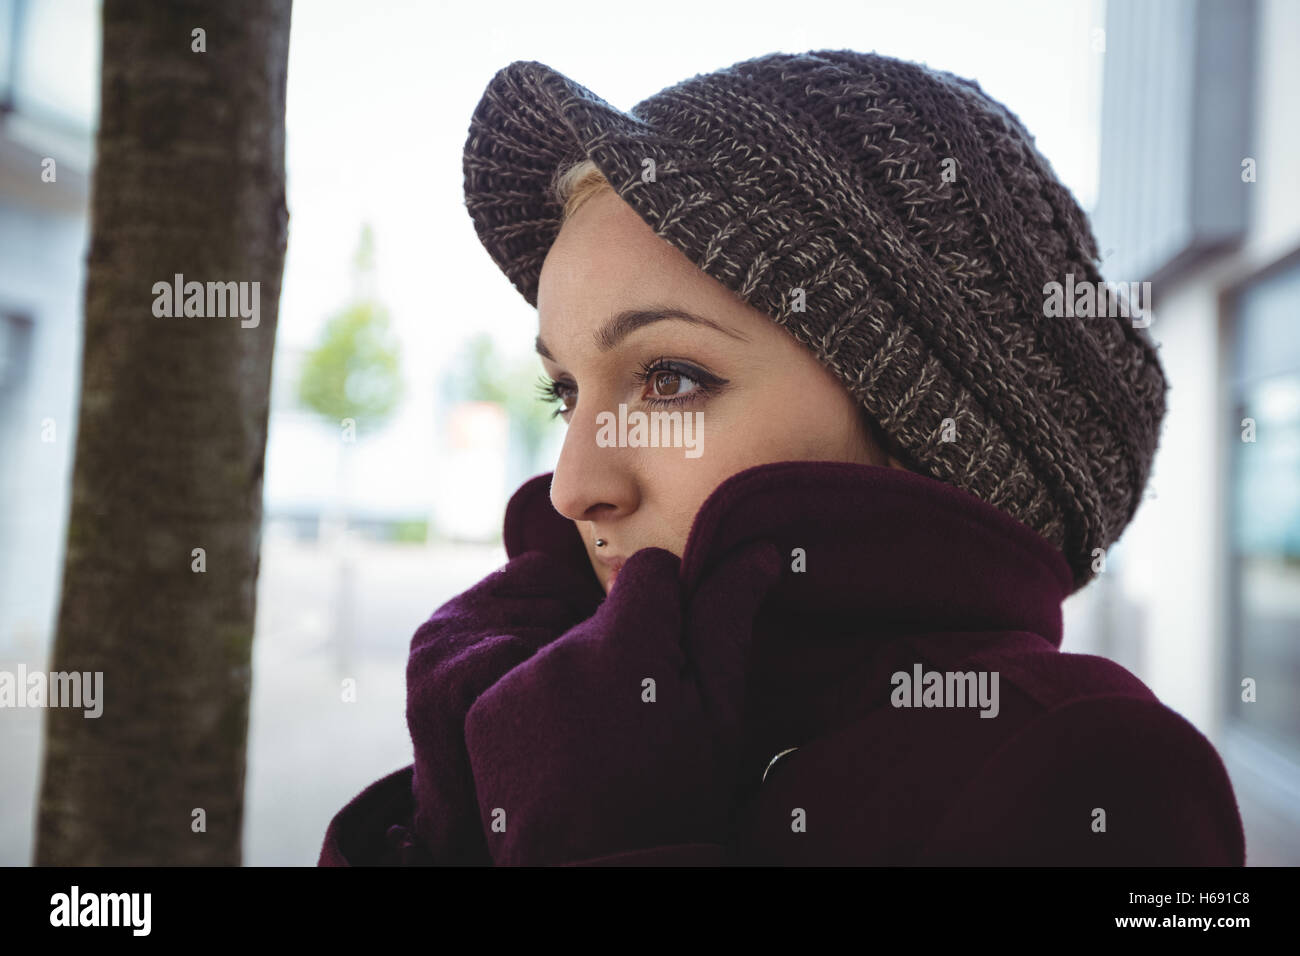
552	391
666	380
670	383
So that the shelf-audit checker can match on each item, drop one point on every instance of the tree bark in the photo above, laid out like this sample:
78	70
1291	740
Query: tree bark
171	438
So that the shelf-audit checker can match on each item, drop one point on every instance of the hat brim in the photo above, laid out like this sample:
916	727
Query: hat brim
531	121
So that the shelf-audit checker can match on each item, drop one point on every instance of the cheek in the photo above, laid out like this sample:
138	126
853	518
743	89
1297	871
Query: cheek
821	420
800	420
679	486
795	418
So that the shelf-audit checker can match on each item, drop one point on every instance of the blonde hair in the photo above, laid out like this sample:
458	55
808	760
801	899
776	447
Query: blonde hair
575	184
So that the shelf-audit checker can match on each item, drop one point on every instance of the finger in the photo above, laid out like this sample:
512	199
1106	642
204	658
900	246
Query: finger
635	635
645	604
533	524
548	588
532	590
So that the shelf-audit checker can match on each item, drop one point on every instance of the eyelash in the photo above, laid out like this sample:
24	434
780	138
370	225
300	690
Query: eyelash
550	390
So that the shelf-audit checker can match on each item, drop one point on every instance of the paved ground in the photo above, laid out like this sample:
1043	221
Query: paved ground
309	752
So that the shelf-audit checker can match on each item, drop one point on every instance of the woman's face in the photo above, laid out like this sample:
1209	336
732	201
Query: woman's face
749	391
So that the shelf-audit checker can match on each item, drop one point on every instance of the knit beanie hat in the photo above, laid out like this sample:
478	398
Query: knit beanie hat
900	224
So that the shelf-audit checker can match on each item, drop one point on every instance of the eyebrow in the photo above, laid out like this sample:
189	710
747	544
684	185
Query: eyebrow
624	323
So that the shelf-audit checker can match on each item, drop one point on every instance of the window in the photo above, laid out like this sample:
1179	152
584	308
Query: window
1263	530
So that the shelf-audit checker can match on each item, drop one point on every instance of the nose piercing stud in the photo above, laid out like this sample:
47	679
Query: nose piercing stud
600	542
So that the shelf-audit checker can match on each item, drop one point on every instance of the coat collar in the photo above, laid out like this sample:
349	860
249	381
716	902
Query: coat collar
904	551
890	549
890	556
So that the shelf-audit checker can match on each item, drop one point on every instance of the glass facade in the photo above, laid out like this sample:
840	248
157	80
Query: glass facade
1264	515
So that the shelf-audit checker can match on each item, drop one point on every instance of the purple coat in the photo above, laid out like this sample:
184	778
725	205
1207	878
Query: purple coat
848	665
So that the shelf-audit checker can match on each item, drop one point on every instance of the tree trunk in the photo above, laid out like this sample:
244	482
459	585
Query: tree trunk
171	437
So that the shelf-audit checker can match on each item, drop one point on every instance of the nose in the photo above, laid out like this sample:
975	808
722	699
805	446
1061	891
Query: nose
590	482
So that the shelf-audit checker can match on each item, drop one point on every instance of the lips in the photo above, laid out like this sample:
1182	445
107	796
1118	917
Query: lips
615	565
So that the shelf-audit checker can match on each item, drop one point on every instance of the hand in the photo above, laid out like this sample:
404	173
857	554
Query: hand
533	524
461	650
570	745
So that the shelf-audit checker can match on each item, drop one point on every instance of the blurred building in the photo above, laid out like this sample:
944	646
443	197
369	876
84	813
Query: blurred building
49	66
1200	196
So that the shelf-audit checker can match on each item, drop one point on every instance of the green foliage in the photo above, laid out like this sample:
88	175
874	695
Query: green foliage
414	530
482	375
354	372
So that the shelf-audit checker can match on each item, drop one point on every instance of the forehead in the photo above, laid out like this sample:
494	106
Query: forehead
607	257
607	260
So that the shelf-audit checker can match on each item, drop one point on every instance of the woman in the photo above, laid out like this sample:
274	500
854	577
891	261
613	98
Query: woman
792	594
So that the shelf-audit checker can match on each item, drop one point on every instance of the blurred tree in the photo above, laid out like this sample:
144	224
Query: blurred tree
351	380
481	374
353	373
159	581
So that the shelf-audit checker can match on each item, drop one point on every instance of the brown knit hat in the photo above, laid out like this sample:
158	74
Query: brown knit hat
895	220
